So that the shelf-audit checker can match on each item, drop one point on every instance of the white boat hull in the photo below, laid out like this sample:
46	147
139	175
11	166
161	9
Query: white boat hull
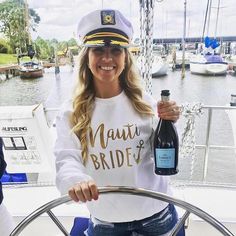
160	69
208	68
159	66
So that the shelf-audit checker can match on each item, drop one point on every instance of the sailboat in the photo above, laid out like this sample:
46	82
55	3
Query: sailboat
208	62
30	69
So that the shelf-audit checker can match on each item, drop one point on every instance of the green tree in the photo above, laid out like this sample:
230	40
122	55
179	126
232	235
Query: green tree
44	48
72	42
4	46
16	20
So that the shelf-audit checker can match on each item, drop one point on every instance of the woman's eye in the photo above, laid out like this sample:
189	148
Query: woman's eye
116	50
98	50
113	50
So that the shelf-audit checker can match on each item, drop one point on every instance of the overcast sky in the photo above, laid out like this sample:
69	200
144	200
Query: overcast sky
60	17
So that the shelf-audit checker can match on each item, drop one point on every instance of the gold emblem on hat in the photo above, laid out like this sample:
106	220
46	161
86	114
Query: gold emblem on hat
108	17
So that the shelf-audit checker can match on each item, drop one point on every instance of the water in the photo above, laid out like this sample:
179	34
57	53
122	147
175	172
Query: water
52	90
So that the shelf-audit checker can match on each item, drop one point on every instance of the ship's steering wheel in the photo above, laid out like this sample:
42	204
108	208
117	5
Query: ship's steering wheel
189	208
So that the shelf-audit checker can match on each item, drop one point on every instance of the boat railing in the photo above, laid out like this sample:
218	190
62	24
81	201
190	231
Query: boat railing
205	145
204	148
189	208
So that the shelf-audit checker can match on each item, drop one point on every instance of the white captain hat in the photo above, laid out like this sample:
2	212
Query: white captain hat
105	28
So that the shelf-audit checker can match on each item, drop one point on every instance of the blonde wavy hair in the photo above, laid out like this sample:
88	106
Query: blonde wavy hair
84	96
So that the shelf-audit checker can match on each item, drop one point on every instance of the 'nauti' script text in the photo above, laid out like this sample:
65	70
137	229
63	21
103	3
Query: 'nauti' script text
125	133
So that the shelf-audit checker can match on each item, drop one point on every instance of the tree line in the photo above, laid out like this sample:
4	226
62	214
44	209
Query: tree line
16	22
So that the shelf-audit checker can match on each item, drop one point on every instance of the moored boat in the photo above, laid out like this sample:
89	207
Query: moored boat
30	70
159	67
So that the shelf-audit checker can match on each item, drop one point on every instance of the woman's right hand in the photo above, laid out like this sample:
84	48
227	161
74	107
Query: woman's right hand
84	191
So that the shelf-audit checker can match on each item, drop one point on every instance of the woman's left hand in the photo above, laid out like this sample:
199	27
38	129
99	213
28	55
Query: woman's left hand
168	110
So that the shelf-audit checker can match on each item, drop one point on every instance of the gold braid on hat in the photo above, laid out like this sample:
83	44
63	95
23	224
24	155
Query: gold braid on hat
106	34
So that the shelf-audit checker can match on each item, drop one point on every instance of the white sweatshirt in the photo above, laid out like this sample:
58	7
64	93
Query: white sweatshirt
120	154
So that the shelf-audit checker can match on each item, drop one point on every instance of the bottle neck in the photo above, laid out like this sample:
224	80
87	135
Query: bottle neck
165	98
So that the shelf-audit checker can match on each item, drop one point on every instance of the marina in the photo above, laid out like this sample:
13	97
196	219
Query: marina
52	90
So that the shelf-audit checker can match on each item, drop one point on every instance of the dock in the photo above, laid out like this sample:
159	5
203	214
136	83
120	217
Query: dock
9	70
52	64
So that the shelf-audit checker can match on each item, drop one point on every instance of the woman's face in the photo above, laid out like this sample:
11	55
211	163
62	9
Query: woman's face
106	63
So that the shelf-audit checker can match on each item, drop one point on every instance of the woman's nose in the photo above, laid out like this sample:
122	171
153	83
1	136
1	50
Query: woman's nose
107	55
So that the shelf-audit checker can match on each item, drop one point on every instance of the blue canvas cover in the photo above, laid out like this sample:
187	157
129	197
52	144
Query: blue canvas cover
214	58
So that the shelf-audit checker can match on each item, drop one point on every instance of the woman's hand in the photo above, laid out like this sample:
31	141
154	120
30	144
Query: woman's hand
84	191
168	110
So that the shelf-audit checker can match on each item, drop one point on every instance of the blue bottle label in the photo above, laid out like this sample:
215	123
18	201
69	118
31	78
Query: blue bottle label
165	158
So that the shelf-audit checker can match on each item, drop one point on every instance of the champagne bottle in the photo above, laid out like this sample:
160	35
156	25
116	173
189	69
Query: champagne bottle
166	144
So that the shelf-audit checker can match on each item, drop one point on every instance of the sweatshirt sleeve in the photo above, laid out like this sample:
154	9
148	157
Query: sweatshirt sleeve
2	161
69	167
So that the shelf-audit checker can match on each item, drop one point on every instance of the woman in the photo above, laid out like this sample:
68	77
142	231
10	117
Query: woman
6	221
105	134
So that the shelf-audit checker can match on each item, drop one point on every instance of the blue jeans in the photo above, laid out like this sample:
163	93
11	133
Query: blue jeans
155	225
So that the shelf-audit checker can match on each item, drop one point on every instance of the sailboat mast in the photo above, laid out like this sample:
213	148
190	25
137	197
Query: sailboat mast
183	42
205	19
209	17
217	17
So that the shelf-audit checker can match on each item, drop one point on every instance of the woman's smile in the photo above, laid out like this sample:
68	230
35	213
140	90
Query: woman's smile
107	68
